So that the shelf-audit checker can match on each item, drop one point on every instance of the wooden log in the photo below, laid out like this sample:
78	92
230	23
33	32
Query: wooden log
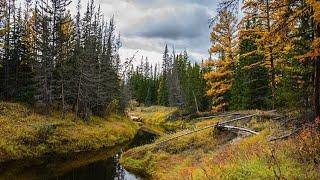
237	128
285	136
236	119
184	134
216	116
207	127
136	118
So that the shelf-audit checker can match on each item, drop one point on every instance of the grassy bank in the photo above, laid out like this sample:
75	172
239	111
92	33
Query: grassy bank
213	154
159	118
25	134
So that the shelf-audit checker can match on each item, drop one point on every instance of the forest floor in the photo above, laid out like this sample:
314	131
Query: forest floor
215	154
26	134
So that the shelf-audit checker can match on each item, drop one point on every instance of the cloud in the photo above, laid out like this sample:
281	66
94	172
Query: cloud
147	25
173	23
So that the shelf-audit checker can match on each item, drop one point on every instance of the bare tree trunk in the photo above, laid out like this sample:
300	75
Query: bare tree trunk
78	98
195	100
316	88
62	98
7	47
273	82
317	79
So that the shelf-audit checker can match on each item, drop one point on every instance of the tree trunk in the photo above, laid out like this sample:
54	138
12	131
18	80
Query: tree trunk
78	98
195	100
273	82
63	99
6	56
316	88
317	79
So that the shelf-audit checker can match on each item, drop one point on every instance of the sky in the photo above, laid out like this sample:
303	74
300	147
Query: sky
146	26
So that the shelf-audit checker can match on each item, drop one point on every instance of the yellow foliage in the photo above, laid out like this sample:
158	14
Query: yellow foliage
316	8
223	38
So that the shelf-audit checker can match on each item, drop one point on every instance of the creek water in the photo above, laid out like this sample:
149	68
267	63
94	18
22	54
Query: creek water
98	165
103	164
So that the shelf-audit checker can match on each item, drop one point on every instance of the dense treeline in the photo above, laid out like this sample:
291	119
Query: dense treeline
178	82
268	58
50	58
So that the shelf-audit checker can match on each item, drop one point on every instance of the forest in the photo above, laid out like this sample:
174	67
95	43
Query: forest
65	89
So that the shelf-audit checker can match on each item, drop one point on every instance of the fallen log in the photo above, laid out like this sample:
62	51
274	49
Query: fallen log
135	118
207	127
237	128
285	136
217	116
236	119
185	134
213	126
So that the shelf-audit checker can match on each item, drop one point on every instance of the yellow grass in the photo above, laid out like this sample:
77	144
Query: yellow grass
209	155
154	114
24	133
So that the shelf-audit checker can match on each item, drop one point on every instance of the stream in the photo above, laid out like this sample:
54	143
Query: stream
103	164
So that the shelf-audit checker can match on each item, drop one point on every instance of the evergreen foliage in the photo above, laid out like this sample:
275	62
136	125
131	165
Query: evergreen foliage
180	83
49	59
276	60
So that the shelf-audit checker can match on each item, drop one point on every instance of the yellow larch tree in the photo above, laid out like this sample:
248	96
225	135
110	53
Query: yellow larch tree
290	15
219	79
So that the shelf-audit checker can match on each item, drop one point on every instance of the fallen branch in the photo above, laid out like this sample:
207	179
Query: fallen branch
285	136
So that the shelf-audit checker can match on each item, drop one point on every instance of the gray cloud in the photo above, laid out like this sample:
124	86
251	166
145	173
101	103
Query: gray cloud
174	23
152	3
147	25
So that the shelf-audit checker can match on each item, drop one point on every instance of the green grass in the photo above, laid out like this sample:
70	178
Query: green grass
25	134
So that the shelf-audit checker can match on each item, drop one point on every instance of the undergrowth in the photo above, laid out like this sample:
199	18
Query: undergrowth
212	155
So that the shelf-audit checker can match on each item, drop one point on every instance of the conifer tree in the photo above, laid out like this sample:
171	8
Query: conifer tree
250	89
43	54
221	77
163	91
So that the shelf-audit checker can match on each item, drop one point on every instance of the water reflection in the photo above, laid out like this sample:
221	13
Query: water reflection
109	168
85	166
96	165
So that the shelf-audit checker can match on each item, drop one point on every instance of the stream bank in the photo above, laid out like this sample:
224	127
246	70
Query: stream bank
100	164
25	134
218	153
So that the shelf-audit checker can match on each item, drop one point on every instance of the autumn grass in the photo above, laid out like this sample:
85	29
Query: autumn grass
25	134
154	114
221	155
160	118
